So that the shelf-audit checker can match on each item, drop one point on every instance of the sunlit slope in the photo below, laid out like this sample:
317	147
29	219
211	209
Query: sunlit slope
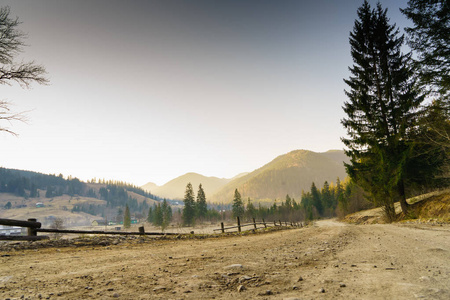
175	188
287	174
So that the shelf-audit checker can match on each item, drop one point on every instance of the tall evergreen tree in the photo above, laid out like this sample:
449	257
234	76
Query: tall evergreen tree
127	217
150	215
158	216
166	214
201	206
189	206
238	206
251	210
381	109
429	37
327	198
316	199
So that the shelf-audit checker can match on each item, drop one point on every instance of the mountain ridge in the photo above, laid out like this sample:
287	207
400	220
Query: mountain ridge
289	173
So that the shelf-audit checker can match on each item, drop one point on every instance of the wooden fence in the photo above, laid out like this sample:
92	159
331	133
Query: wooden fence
255	225
34	227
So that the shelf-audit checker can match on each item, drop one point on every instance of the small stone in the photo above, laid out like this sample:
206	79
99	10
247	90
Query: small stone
342	284
244	278
116	295
241	288
234	266
300	279
321	290
266	293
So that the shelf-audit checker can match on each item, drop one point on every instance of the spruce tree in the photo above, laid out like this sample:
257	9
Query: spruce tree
127	217
150	215
430	39
201	206
238	206
189	206
166	214
316	199
159	217
251	210
381	109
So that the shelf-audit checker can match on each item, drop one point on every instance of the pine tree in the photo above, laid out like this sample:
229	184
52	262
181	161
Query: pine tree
316	199
381	109
150	215
251	210
127	217
429	37
189	206
238	206
327	198
201	206
166	214
159	216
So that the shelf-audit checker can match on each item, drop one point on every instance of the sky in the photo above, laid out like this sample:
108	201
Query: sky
146	91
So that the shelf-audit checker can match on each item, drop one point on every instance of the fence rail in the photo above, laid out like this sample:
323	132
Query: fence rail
254	224
34	227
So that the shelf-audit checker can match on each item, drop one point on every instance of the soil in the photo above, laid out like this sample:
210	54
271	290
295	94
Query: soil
329	260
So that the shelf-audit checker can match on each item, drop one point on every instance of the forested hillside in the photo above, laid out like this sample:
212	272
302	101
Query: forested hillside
41	187
290	173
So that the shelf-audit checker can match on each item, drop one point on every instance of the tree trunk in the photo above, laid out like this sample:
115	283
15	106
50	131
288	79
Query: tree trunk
401	192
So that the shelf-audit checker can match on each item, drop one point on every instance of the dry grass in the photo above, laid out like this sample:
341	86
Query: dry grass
430	208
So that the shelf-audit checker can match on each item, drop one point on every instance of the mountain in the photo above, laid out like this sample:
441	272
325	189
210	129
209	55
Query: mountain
175	188
287	174
150	187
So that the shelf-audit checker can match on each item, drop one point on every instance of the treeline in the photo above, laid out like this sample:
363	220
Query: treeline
332	200
117	196
27	184
160	214
196	209
89	208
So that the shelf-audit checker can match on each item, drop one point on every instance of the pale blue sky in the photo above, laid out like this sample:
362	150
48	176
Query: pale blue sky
149	90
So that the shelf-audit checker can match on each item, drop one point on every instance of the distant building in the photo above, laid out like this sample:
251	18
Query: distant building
99	223
11	230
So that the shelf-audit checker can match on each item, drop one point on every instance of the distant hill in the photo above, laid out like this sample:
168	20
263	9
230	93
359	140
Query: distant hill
287	174
175	188
150	187
77	201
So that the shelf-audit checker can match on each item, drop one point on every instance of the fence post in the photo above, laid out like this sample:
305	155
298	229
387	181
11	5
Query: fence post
32	231
265	225
254	223
239	224
221	226
141	230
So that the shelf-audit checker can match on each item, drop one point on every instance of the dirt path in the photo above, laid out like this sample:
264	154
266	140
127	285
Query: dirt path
330	260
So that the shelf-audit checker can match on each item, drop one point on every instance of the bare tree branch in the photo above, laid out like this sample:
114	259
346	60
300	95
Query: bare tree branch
24	73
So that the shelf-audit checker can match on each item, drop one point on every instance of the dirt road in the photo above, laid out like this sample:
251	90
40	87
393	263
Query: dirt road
329	260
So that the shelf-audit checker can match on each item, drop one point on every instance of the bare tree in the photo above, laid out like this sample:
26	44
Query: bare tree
23	73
